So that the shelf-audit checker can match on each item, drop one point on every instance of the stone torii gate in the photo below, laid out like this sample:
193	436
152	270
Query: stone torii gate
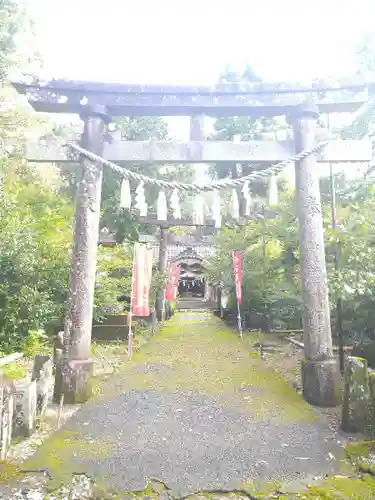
97	103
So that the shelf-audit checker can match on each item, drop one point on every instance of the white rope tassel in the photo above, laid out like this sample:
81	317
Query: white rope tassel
175	204
162	206
273	198
198	210
247	197
235	206
228	184
125	195
140	200
216	209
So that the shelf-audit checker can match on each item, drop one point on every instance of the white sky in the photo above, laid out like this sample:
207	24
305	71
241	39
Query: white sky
189	41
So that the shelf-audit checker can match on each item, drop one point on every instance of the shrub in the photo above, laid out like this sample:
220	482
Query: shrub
113	280
35	243
35	343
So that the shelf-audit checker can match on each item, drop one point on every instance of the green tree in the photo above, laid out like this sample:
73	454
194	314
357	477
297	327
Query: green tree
113	279
270	268
35	244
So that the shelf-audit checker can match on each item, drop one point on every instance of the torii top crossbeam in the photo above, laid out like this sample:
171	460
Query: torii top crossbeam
257	99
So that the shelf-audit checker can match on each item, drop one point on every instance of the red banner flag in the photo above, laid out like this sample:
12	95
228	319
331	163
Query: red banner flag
172	284
237	271
141	282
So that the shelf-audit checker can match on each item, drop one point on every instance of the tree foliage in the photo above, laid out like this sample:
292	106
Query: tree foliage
113	280
35	224
270	268
35	242
271	284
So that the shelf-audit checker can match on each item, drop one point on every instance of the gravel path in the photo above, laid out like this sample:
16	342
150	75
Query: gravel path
195	410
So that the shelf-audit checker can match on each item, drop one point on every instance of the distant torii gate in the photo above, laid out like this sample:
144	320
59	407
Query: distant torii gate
97	103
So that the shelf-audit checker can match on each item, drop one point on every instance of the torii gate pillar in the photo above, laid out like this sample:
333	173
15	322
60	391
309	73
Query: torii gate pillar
74	372
320	370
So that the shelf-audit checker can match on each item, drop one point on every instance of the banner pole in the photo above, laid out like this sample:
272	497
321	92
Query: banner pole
239	319
237	271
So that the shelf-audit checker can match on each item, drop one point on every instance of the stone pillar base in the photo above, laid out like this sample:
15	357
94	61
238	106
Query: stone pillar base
321	382
73	379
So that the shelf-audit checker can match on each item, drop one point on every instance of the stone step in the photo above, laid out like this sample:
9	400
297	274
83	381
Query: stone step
191	304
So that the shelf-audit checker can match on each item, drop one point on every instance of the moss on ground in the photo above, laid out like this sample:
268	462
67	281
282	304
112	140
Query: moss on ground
9	472
193	353
200	354
65	453
362	456
336	488
260	490
358	486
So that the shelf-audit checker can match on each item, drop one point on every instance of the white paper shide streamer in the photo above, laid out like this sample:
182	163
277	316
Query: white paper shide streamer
273	197
125	195
198	216
216	209
140	200
247	197
175	204
162	206
235	205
